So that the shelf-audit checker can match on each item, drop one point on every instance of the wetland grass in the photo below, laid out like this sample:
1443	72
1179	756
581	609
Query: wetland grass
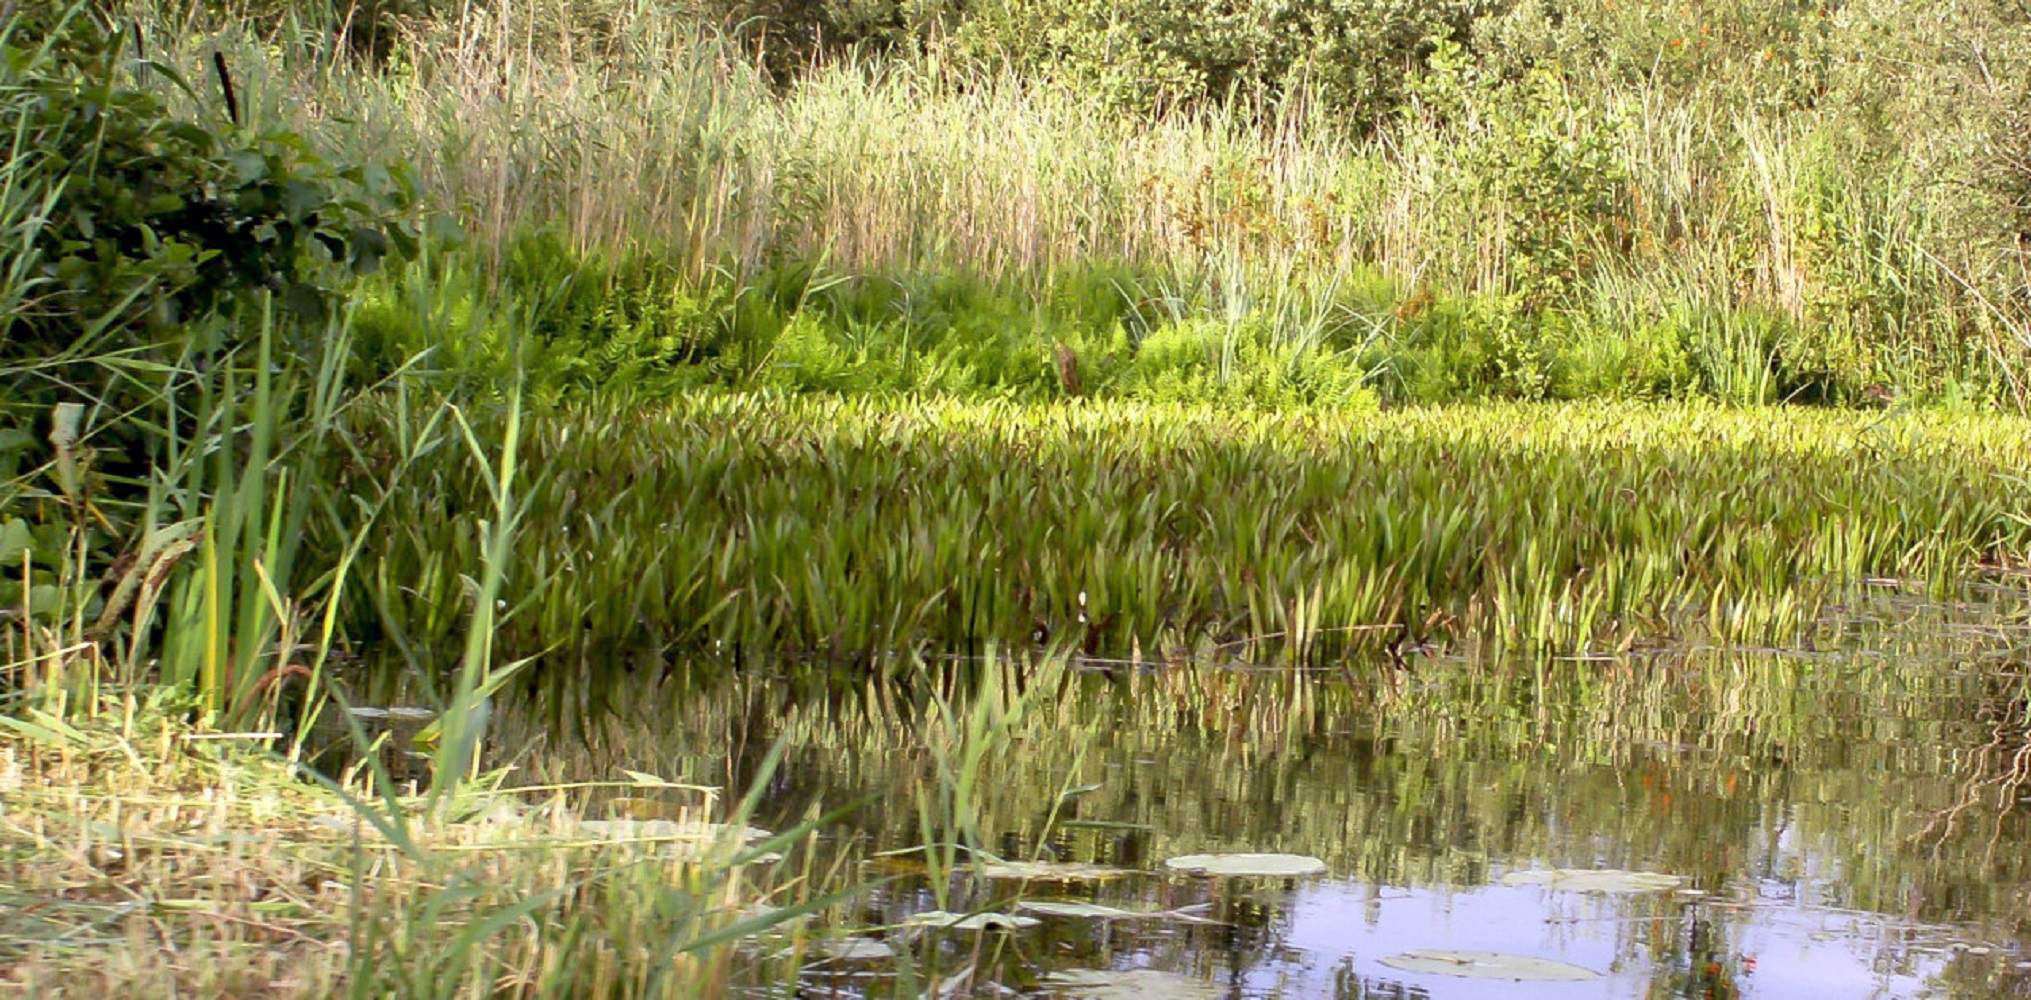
744	525
143	857
274	497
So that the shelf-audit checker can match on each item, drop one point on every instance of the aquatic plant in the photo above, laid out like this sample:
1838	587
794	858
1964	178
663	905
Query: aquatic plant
748	525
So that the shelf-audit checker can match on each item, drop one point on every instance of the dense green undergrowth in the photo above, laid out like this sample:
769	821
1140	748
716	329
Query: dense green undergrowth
581	326
1753	203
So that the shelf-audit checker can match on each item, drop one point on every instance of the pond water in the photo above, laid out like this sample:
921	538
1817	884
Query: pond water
1836	822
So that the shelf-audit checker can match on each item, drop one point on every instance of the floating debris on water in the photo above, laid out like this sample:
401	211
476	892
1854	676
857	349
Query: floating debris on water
1490	965
1594	880
1248	865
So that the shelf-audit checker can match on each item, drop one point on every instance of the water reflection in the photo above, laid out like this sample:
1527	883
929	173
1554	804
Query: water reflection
1840	819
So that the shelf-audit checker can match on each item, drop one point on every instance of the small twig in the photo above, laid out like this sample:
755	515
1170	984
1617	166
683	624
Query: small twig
226	85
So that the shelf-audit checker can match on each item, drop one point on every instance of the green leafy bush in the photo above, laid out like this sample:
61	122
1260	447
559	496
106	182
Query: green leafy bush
1770	56
134	244
144	221
1199	361
1551	164
1355	54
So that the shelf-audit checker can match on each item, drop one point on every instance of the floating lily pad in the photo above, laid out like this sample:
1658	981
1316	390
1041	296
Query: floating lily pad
855	949
1075	910
397	713
1050	871
1134	984
1595	880
976	922
1490	965
1245	865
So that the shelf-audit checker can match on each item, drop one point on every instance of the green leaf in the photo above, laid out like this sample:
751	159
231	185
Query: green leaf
248	166
45	600
301	198
15	540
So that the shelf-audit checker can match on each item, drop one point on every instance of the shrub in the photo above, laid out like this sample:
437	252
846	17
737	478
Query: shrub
143	221
1551	163
1200	360
1355	54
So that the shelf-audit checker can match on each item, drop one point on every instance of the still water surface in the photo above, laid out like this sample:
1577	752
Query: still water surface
1843	822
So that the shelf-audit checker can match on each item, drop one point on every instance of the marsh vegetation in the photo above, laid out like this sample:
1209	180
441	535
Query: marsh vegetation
588	497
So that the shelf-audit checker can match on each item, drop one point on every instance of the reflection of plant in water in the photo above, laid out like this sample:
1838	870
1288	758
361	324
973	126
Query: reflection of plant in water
1744	773
1997	771
1700	964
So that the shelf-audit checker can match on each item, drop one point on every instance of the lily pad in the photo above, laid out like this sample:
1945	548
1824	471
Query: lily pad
1073	909
1594	880
1245	865
396	713
976	922
855	949
1490	965
1050	871
1133	984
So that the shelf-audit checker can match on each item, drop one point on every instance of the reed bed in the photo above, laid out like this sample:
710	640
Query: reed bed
749	525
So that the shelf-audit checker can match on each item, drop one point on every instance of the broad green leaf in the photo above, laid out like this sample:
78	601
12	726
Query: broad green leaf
15	539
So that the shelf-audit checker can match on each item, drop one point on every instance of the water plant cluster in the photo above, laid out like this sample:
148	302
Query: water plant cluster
857	528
